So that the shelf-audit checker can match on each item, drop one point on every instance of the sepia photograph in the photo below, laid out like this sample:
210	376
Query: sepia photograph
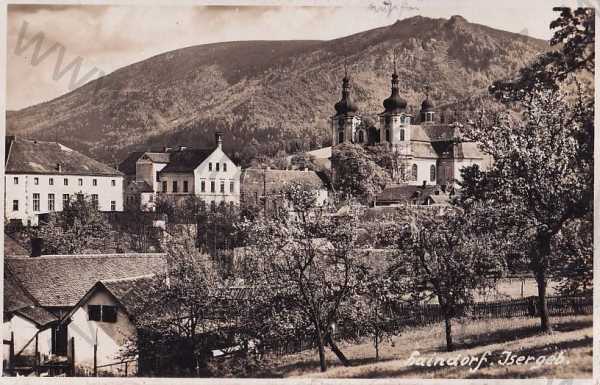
397	189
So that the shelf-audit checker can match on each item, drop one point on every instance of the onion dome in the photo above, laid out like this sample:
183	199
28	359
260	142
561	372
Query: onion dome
345	106
395	103
427	105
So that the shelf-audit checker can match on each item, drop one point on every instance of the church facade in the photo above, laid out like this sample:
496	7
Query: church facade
430	152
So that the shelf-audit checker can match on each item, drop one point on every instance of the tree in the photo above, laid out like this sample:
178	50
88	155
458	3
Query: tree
80	226
445	257
309	262
355	172
542	177
174	313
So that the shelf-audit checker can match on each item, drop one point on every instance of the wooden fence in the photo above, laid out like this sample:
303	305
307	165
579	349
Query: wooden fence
402	316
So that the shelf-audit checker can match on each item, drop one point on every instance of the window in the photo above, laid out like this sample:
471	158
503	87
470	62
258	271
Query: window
224	167
102	313
185	186
212	206
202	186
341	137
222	187
231	187
113	182
16	180
209	166
36	202
429	116
361	136
212	186
94	182
414	172
80	181
402	134
175	189
157	177
66	181
51	202
51	181
387	135
217	166
36	181
388	120
113	205
65	200
16	205
432	173
95	201
164	189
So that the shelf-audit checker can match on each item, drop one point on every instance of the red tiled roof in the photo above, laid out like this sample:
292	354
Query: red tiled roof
37	157
62	280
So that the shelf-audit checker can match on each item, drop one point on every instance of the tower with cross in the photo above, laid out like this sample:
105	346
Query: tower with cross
345	122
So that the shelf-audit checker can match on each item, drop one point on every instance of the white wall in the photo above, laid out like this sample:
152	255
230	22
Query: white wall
24	330
202	173
423	171
25	188
110	336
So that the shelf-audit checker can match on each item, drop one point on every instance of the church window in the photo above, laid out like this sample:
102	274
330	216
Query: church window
341	122
341	137
388	120
361	136
387	135
415	175
402	135
432	173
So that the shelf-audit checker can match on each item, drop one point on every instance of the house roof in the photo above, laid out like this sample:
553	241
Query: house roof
37	157
423	150
186	160
139	186
404	193
12	247
470	150
261	181
62	280
128	290
15	296
127	165
37	315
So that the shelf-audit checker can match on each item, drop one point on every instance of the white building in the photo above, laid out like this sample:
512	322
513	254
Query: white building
41	176
430	152
177	173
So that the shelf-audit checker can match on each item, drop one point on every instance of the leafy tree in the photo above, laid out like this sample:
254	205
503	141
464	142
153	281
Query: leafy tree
445	257
173	311
542	175
309	262
356	173
79	227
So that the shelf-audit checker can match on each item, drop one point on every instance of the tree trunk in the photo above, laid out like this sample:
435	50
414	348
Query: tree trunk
376	346
337	351
542	284
449	343
321	344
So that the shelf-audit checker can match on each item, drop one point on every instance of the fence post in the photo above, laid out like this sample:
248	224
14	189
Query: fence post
36	362
95	360
11	353
72	345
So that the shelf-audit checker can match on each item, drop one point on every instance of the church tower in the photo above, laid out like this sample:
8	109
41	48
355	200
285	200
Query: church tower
394	122
345	123
427	109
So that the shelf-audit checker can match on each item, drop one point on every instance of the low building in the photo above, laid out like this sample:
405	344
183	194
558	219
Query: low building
40	177
266	187
181	172
55	285
403	194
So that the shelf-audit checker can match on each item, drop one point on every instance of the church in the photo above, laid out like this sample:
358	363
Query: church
431	152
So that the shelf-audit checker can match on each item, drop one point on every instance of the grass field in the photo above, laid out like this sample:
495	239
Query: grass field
573	335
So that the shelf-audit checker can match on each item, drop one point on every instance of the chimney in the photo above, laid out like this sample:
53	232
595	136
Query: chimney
219	139
305	169
58	167
37	244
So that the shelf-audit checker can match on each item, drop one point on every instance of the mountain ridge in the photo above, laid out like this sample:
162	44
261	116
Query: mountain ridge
271	95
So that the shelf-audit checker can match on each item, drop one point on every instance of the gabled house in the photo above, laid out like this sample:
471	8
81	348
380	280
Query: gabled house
181	172
55	284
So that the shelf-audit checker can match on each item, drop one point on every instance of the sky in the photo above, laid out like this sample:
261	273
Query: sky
102	38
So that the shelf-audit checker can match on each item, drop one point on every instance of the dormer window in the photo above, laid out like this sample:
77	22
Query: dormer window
429	117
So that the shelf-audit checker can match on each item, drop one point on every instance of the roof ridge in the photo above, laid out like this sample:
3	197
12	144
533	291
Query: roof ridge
132	278
82	256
